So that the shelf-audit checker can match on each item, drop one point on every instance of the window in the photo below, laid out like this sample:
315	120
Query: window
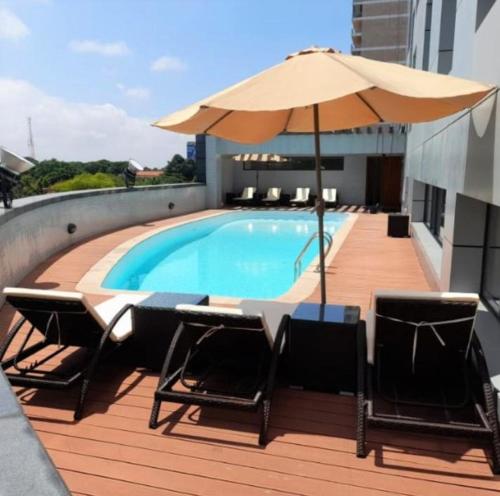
434	210
298	163
427	34
447	35
490	289
483	7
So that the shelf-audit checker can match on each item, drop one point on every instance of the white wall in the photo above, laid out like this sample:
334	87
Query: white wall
37	227
350	183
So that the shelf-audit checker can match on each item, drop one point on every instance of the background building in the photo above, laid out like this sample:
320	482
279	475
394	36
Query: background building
380	29
452	175
365	165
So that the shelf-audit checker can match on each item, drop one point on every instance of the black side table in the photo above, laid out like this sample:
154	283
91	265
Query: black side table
155	323
398	225
322	347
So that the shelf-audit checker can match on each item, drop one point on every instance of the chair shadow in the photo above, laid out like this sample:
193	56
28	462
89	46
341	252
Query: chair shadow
209	418
381	461
101	394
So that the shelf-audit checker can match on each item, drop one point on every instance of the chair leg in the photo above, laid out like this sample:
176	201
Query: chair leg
81	399
361	428
490	404
266	413
155	411
491	413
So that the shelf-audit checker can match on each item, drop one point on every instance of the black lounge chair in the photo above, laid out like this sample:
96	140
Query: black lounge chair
422	368
231	361
247	196
57	320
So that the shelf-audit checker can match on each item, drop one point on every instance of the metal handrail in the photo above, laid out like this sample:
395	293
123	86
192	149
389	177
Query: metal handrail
297	268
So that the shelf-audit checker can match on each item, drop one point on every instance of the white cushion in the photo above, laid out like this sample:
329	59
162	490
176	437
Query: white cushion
330	194
102	313
208	309
228	311
370	336
425	295
44	294
108	309
301	195
273	194
247	194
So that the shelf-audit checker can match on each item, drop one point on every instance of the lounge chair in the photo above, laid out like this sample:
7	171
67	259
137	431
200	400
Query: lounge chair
330	196
424	369
301	196
247	195
231	361
58	320
273	195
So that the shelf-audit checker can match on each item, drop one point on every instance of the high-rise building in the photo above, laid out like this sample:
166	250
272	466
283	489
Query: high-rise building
380	29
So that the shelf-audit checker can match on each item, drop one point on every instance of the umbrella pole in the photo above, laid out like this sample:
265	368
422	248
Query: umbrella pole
320	204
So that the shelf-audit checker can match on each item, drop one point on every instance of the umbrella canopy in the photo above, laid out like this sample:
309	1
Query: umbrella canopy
321	89
351	91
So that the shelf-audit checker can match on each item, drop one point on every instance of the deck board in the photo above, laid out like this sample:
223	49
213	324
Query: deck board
206	451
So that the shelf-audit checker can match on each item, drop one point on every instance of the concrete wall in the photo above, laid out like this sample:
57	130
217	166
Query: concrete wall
37	227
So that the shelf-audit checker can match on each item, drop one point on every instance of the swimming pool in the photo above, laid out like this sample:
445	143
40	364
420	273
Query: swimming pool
238	254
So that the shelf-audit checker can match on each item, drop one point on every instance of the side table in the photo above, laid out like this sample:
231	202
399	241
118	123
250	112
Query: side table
322	347
155	323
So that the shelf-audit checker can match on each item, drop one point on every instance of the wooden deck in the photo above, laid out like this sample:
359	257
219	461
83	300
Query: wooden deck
214	452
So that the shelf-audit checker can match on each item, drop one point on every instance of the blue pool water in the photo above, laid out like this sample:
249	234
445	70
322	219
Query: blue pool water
240	254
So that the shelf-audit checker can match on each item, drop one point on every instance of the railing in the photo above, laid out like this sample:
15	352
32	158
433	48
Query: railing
297	269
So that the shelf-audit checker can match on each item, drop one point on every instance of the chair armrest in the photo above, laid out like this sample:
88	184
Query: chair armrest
277	348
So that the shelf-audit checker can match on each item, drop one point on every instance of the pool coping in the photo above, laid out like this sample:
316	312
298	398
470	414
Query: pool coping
91	282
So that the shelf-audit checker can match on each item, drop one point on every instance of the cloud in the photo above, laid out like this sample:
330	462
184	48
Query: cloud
137	93
80	131
11	27
167	63
114	49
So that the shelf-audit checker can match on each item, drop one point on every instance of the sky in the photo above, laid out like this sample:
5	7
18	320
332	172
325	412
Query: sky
93	74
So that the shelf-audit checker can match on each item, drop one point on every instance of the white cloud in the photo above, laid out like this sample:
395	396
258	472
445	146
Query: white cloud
80	131
167	63
11	27
137	93
114	49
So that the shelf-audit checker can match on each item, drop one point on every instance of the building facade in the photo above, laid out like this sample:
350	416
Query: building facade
452	175
380	29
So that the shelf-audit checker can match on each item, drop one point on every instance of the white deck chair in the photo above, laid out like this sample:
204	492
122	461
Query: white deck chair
247	195
330	196
301	195
62	320
273	195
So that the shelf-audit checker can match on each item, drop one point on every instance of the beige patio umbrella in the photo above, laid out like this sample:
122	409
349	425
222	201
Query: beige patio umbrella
320	89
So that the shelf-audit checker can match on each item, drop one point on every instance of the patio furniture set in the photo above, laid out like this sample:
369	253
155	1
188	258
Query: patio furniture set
275	196
415	364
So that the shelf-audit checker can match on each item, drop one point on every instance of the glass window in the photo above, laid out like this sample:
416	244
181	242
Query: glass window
491	266
298	163
434	210
447	35
427	35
